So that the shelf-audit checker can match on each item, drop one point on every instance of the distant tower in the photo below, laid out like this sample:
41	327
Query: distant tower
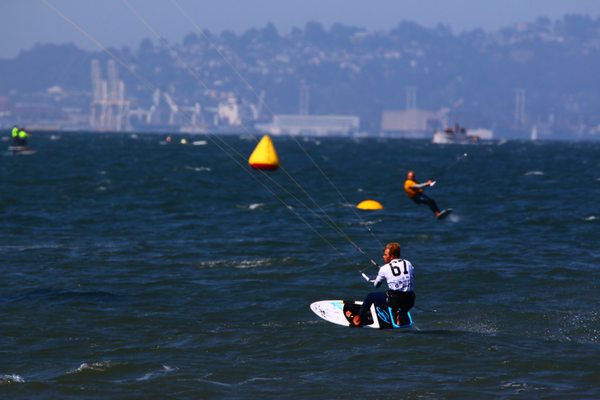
98	97
304	98
519	108
109	108
258	109
113	90
96	81
411	98
113	79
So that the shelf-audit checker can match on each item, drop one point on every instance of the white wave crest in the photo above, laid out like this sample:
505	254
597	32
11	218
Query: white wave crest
367	223
13	378
241	264
97	366
252	263
198	169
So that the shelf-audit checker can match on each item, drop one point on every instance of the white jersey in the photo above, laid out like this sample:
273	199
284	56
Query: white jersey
398	274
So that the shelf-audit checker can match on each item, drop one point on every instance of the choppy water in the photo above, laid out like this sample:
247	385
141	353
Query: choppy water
133	269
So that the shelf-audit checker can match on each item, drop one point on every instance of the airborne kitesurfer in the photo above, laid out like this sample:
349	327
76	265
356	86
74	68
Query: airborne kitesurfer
414	190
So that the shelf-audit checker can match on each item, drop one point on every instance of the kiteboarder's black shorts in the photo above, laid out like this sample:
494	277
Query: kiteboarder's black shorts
400	300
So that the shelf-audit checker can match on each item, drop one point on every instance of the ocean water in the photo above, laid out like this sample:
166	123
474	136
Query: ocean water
131	268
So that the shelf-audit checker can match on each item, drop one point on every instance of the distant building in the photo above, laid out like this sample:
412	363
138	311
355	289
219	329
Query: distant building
412	123
229	112
481	133
5	110
311	125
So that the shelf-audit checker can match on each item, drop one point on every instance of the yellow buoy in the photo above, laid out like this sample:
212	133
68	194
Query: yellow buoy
370	205
264	155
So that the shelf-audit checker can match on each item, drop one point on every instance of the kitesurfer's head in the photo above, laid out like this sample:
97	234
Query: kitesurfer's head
410	175
391	252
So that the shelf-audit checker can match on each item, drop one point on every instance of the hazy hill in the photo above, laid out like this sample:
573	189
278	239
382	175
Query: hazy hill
353	71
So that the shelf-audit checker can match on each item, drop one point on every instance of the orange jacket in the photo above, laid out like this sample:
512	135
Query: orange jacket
410	190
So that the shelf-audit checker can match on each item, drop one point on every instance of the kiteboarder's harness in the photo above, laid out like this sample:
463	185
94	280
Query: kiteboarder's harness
398	299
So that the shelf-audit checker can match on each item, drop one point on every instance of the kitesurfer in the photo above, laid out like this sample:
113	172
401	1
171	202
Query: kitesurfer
400	296
414	190
22	137
14	136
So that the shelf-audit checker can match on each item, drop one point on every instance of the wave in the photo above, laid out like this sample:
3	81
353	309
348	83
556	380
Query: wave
253	206
27	247
58	295
454	218
198	169
151	375
99	366
13	378
235	384
367	223
240	264
120	370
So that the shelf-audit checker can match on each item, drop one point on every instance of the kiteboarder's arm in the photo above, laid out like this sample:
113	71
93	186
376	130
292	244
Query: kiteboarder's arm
424	184
379	280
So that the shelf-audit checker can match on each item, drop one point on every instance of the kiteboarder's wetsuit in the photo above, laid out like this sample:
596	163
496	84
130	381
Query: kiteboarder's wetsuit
399	275
14	136
414	190
23	135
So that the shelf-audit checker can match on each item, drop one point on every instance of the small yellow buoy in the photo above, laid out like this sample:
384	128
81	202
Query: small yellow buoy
264	155
370	205
183	141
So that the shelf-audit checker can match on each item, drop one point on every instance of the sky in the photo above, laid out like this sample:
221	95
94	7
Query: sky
127	22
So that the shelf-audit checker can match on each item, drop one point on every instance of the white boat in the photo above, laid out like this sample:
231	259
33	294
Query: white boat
460	135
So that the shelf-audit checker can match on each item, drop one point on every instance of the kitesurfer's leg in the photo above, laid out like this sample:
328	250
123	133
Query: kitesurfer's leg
372	298
407	301
424	199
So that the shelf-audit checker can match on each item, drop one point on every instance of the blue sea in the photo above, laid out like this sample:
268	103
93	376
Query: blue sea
132	268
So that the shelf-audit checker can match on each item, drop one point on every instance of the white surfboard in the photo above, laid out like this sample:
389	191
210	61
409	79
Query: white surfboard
341	312
444	213
21	150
